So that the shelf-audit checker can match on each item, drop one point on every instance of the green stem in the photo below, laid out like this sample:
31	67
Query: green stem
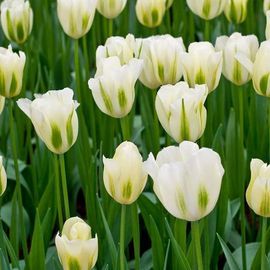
207	35
110	28
136	234
263	246
64	185
195	227
122	237
125	127
18	185
77	69
156	146
206	244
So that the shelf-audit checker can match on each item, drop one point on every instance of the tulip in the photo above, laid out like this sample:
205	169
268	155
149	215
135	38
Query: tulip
117	46
237	49
236	10
181	110
258	191
202	65
111	8
124	176
161	56
75	246
113	87
11	72
267	29
2	104
76	16
54	118
187	180
266	5
207	9
16	20
3	177
150	12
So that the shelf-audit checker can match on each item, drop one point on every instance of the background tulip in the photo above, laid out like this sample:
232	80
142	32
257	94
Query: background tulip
236	10
54	118
161	56
181	110
124	176
187	180
75	246
3	177
237	49
2	104
16	20
111	8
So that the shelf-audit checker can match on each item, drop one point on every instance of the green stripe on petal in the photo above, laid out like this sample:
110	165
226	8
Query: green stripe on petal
127	190
56	137
69	129
206	8
74	264
2	84
122	99
264	83
184	127
106	99
20	32
265	204
203	199
155	16
10	26
13	86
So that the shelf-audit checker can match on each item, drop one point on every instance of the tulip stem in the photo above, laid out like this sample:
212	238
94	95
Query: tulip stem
263	246
124	122
77	69
195	226
136	234
122	237
64	185
207	32
18	185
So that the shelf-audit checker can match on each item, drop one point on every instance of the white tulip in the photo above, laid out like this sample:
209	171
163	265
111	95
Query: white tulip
161	56
237	49
16	20
3	177
124	176
2	104
202	65
236	10
113	87
76	16
111	8
266	5
181	110
187	180
54	118
75	246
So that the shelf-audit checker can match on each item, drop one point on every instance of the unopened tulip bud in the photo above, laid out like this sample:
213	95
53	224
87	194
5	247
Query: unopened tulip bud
3	177
54	117
124	176
162	60
2	104
237	50
76	16
266	5
11	72
150	12
258	191
75	246
207	9
181	110
187	180
236	11
113	87
111	8
202	65
16	20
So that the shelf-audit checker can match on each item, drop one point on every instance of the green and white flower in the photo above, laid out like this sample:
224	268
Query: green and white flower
236	11
111	8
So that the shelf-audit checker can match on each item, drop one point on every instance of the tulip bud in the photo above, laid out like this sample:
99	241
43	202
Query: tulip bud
117	46
236	10
16	20
75	246
237	49
11	72
111	8
169	3
187	180
161	56
54	117
202	65
150	12
266	6
3	177
124	176
2	104
207	9
113	87
181	110
76	16
258	191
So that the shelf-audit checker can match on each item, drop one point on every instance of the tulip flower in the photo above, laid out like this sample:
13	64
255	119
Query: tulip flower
76	16
3	177
113	87
202	65
16	20
11	72
258	191
187	180
161	56
150	12
111	8
54	117
236	10
266	6
2	104
237	49
207	9
117	46
181	110
75	246
124	176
